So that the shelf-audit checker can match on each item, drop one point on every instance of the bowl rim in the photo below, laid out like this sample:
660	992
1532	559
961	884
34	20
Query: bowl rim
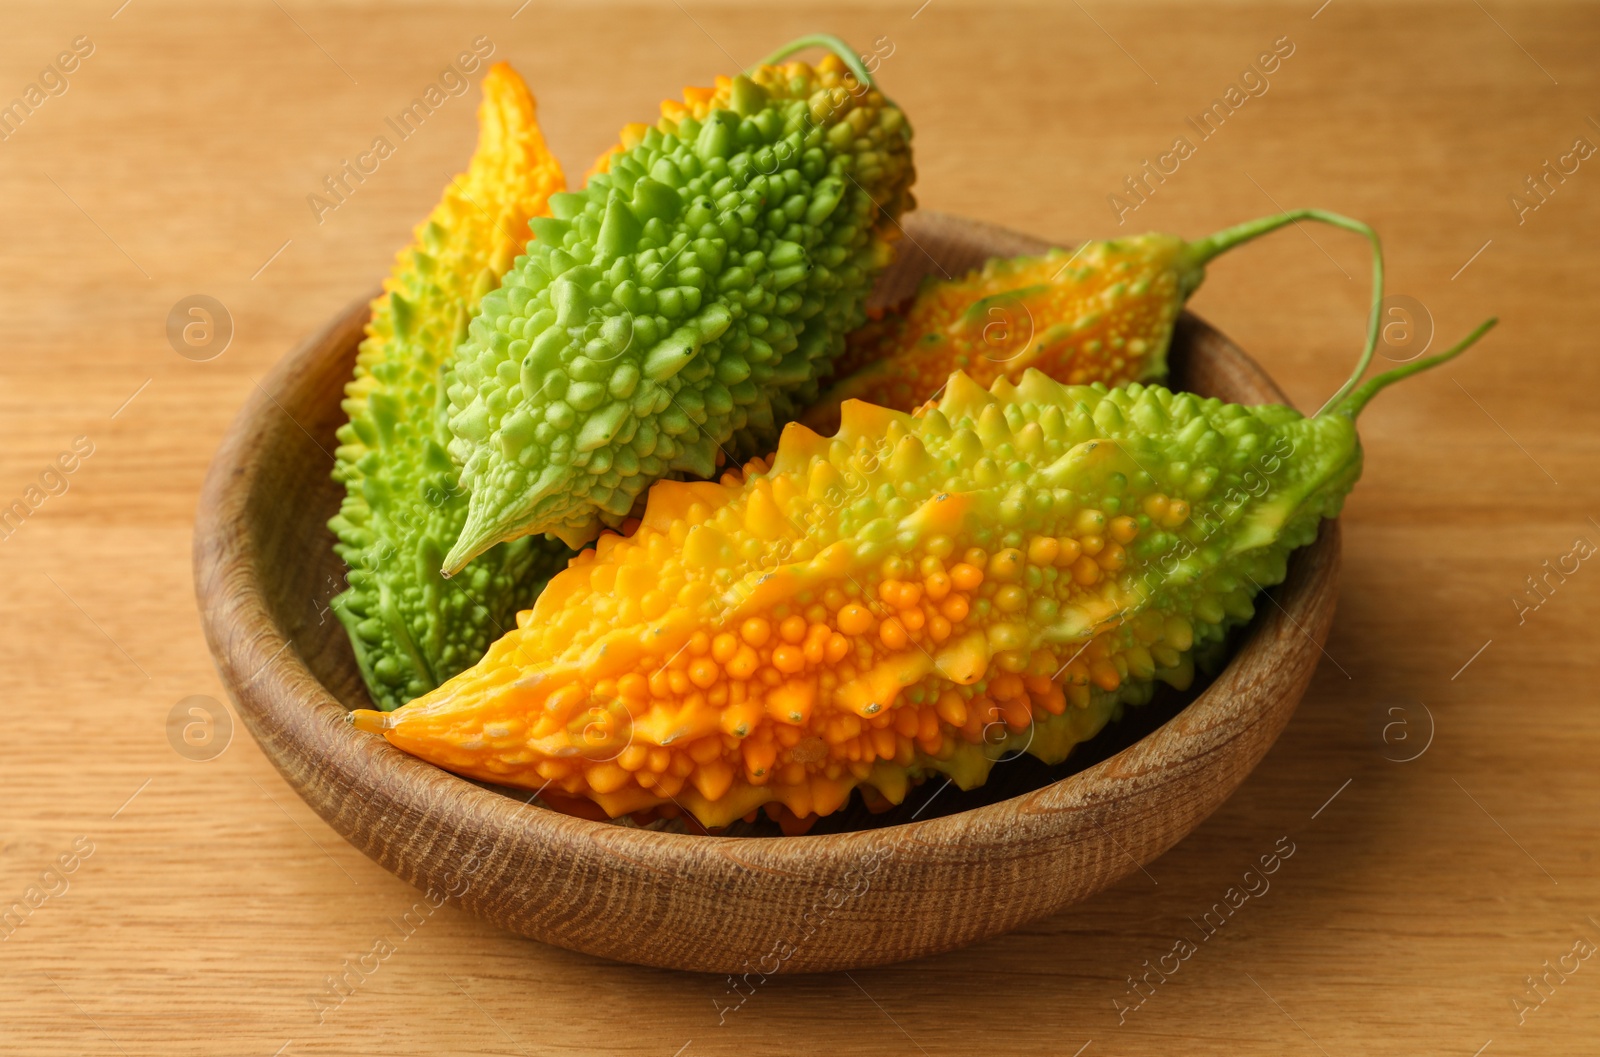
347	775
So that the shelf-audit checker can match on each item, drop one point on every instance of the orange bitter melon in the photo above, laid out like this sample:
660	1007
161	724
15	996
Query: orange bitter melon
913	596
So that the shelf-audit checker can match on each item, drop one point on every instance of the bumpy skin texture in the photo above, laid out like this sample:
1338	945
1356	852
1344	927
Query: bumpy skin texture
915	595
1101	313
412	629
684	303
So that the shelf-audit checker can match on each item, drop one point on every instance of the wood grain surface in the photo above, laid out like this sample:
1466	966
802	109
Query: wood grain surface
1442	890
862	889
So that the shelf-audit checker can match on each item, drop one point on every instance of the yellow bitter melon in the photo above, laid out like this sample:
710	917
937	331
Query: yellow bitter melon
912	596
412	629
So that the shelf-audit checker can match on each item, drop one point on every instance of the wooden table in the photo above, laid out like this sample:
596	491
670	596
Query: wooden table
200	907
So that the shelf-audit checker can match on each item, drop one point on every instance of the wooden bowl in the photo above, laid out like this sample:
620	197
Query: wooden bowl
888	887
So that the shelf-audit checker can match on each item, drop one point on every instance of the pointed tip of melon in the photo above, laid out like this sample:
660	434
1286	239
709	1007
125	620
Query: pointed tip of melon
488	524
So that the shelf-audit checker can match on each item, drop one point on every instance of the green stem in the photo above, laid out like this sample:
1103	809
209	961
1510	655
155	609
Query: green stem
823	40
1203	250
1353	403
